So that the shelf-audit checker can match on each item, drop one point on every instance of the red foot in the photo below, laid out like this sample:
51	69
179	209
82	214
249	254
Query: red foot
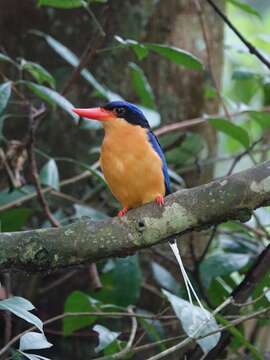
122	212
160	200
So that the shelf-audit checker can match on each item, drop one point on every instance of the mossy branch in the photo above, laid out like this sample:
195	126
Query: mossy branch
86	241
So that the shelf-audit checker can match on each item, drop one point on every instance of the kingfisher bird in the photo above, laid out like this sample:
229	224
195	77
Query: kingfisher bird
131	159
133	163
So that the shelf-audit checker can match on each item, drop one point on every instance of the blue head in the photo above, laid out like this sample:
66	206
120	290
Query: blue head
115	110
131	113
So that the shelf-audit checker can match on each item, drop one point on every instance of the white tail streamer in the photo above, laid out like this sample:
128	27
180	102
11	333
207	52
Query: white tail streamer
188	284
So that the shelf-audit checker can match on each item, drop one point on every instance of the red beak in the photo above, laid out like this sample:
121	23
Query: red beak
95	113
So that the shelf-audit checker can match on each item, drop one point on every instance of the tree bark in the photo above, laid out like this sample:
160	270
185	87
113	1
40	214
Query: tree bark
86	241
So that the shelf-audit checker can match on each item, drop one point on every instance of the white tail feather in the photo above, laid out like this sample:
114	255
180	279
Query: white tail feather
188	284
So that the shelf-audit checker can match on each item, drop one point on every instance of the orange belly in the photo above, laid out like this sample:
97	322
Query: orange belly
131	167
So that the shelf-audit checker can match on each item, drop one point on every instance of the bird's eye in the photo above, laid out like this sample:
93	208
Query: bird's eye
120	111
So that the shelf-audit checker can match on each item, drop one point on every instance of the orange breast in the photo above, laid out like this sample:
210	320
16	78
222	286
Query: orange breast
130	165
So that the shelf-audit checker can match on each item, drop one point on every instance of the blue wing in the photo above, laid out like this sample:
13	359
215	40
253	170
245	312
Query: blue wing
157	147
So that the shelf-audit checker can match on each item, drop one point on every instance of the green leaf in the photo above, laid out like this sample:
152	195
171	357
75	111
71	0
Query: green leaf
5	92
245	87
234	131
141	86
262	118
74	61
6	58
245	74
40	74
122	284
14	220
176	55
6	196
21	307
2	120
77	301
221	264
81	210
240	338
164	278
63	4
189	149
261	286
139	49
49	175
195	321
245	7
153	328
33	340
105	337
210	92
115	347
52	97
266	93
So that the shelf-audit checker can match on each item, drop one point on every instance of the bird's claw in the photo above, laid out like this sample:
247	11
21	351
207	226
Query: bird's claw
122	212
160	200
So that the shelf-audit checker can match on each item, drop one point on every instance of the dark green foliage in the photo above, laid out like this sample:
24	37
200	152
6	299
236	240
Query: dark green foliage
37	72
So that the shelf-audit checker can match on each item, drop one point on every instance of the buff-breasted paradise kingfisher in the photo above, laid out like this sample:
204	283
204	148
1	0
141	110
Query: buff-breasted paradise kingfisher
133	162
131	158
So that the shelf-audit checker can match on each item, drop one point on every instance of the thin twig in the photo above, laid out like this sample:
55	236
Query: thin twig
260	225
75	314
72	180
251	302
250	47
157	316
241	294
123	353
95	20
156	343
87	55
216	159
7	316
57	282
233	323
67	197
210	240
189	340
34	121
180	125
241	155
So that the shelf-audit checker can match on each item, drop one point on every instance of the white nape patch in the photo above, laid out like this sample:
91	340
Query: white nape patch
262	186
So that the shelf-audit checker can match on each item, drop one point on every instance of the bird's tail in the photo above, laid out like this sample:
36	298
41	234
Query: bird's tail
189	287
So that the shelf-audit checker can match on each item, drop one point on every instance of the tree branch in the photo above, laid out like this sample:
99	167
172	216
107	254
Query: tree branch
250	47
228	198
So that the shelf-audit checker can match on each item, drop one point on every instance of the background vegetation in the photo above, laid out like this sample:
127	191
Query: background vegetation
213	120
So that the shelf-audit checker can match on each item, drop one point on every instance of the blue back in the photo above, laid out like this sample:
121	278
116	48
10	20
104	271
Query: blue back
156	146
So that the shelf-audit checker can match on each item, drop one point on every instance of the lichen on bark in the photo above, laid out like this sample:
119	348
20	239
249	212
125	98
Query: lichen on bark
87	241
